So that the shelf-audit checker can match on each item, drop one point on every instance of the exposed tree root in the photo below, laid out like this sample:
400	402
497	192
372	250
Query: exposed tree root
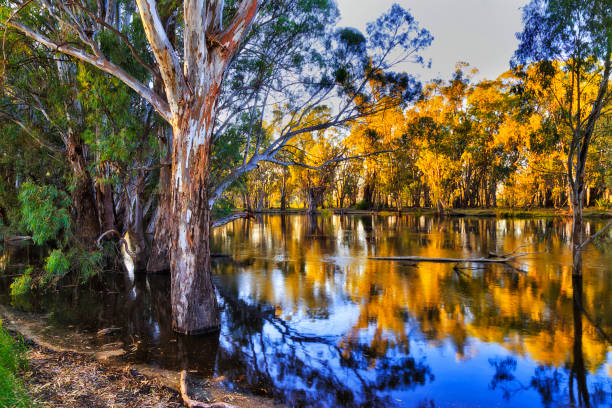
197	404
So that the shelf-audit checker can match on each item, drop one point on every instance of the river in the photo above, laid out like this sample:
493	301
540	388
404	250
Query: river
309	320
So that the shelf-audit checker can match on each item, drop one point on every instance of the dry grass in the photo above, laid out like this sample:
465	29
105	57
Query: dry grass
65	379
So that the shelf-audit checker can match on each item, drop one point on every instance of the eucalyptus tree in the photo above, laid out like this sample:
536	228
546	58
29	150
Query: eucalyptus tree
346	183
197	61
38	96
574	36
93	125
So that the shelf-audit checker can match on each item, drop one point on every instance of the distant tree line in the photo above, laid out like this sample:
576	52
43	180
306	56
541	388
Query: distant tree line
463	144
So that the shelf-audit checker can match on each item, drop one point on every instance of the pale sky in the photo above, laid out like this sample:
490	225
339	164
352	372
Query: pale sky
480	32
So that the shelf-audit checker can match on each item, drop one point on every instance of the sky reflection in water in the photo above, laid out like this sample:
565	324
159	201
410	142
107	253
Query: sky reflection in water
308	319
342	329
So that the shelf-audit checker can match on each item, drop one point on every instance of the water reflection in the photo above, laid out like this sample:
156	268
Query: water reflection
308	319
314	274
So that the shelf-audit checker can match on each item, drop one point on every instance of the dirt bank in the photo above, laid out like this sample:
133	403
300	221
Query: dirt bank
64	371
67	379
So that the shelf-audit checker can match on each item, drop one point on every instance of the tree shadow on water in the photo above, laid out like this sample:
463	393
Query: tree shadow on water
569	383
266	355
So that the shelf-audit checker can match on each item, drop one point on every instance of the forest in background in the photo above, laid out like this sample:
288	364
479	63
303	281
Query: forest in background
462	144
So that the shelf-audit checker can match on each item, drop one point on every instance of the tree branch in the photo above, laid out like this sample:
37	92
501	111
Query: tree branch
328	162
226	220
122	37
167	59
32	135
103	64
234	33
596	235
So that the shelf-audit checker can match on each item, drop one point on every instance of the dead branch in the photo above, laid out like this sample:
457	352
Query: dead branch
197	404
122	241
448	260
17	238
109	232
596	235
226	220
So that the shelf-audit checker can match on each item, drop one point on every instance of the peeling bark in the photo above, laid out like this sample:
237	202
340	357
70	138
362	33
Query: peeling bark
192	93
194	304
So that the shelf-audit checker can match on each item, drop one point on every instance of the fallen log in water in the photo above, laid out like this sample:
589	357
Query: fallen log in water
447	260
492	258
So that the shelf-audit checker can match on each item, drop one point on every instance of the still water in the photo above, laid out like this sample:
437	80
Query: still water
309	320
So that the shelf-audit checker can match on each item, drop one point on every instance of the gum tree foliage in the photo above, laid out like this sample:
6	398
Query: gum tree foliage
213	66
43	211
71	129
575	36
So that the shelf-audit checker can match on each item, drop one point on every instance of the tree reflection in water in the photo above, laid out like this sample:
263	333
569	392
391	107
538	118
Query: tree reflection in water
549	381
315	268
308	319
266	353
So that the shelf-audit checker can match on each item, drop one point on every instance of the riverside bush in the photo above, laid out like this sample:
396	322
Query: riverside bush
12	362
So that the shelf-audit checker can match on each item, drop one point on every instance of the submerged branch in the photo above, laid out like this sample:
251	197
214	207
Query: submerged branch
447	260
596	235
496	255
597	327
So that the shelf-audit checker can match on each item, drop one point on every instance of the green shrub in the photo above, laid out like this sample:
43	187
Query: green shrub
44	211
57	265
81	263
22	284
603	204
89	264
222	208
12	362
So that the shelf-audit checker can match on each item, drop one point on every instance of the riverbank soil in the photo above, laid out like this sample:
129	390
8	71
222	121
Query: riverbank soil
67	370
67	379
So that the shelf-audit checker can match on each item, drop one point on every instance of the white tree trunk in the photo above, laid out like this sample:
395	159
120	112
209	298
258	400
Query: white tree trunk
194	304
